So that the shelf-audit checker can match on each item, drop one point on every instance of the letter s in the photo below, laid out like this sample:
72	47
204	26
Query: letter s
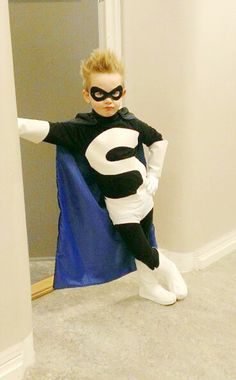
98	149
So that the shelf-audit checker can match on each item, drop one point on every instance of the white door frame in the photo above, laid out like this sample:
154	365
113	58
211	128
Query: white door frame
109	25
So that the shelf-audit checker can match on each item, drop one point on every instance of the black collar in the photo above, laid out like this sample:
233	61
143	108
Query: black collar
103	119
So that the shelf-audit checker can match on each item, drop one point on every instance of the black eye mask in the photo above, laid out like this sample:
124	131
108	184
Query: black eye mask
99	94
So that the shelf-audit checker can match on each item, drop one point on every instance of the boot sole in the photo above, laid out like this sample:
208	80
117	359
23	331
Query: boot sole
144	294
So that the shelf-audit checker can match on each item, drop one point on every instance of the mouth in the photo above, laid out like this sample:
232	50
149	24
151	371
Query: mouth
109	108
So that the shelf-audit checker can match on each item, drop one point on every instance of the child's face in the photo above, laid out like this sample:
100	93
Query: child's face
101	96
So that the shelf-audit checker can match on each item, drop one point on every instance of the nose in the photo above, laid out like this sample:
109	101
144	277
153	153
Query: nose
108	100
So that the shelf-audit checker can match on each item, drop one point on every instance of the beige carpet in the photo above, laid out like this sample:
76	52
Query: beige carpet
40	269
107	332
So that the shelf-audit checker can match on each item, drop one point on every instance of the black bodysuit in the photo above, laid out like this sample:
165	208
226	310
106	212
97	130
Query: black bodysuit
110	145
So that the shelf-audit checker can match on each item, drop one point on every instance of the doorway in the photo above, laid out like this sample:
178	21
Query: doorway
49	39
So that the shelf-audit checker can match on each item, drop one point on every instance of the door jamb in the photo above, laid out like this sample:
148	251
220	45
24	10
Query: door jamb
109	25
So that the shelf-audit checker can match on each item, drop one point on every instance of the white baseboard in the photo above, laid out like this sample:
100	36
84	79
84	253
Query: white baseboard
42	258
194	260
206	255
15	360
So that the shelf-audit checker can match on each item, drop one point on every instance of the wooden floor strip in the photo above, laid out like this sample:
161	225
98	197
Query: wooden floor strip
42	287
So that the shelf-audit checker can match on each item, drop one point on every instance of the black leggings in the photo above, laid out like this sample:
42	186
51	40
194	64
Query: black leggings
136	238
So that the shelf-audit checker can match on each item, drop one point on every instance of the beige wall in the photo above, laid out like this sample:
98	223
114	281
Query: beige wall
180	58
180	61
49	40
15	303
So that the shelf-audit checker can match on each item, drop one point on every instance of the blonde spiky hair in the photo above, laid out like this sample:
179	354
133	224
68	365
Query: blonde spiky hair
100	61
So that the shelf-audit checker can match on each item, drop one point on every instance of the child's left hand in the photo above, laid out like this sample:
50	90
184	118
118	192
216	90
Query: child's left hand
151	183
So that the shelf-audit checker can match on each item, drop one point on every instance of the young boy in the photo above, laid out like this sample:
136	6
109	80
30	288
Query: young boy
109	137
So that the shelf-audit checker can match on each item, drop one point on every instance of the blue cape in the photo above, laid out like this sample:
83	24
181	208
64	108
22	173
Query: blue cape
89	249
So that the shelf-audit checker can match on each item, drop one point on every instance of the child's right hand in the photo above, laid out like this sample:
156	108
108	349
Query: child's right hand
33	130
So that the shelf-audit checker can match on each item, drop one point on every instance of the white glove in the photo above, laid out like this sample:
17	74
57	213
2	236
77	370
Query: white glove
156	157
157	153
33	130
151	184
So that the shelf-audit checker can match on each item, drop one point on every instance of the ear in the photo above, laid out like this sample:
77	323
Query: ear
86	96
124	92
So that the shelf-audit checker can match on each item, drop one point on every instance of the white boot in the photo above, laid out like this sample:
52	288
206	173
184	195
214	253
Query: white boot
172	275
150	288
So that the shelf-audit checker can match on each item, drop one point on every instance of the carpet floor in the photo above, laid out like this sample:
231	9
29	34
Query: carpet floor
41	269
108	332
